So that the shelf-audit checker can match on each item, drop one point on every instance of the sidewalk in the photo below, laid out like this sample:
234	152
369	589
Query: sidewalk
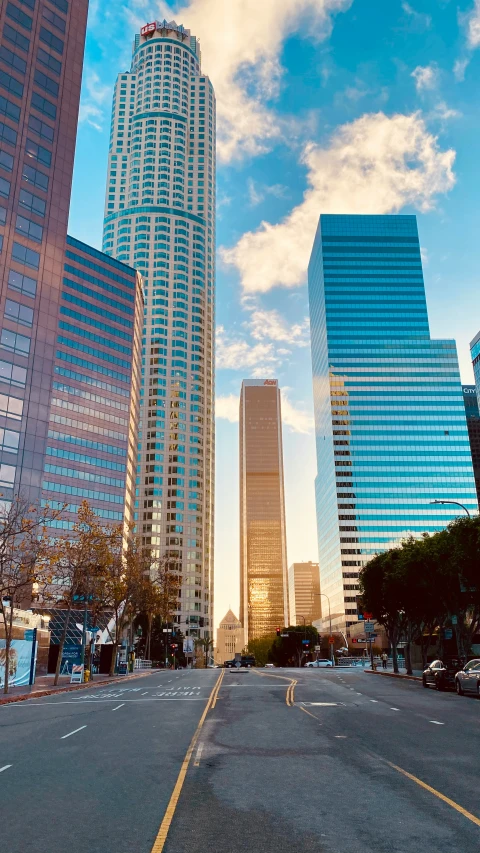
402	673
44	686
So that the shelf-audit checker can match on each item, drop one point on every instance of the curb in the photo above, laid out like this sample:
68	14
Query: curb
23	697
393	675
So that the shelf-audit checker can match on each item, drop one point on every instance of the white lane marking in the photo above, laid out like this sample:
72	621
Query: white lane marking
342	737
374	700
118	706
198	755
321	704
436	723
359	694
73	733
144	694
5	768
394	709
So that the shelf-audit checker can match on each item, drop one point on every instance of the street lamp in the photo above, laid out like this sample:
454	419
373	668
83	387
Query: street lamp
452	502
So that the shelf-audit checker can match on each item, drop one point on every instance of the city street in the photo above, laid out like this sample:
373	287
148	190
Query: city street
320	766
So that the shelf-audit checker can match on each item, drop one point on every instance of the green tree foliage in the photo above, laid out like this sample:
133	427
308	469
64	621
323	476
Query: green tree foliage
260	648
290	651
422	585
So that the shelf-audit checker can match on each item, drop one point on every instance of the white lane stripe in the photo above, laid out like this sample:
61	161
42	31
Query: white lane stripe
374	700
5	768
144	694
436	723
118	706
73	733
394	709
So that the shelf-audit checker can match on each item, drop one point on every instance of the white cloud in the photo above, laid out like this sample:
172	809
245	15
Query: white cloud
459	68
257	194
376	164
269	325
295	419
255	197
420	19
96	94
227	408
298	420
91	114
237	354
242	42
425	76
473	26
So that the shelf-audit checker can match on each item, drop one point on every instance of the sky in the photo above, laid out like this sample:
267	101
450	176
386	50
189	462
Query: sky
323	106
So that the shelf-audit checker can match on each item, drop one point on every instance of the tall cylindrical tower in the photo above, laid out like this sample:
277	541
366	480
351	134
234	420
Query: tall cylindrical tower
160	218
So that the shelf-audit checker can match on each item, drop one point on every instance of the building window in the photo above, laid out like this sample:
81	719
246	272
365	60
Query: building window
22	283
19	313
10	58
9	440
32	202
4	188
37	152
60	4
10	84
33	176
29	229
10	110
16	14
14	342
54	19
6	161
49	61
26	256
43	81
43	130
7	475
12	374
43	105
48	38
11	407
16	38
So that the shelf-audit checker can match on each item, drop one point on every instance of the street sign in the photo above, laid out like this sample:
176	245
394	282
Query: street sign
28	634
358	640
367	615
284	635
331	641
369	627
448	633
188	646
305	642
317	648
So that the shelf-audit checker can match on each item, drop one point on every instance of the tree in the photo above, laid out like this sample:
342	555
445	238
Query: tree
291	649
26	560
260	648
123	585
382	593
206	643
80	563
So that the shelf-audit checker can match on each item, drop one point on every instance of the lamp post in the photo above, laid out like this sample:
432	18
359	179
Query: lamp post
452	502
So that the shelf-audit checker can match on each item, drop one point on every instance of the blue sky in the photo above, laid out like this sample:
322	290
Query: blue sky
341	106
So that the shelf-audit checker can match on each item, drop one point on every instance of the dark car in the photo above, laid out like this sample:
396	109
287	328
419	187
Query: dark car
467	679
441	674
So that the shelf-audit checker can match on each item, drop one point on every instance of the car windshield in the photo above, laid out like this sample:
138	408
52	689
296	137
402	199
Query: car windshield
473	664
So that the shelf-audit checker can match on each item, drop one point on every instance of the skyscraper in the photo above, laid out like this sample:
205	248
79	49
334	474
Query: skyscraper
475	354
263	544
391	433
473	425
41	58
160	218
93	426
304	593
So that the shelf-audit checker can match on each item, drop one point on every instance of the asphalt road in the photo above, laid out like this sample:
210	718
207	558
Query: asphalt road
351	763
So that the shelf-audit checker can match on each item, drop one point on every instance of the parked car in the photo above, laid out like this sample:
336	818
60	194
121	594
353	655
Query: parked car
467	679
441	674
269	666
321	662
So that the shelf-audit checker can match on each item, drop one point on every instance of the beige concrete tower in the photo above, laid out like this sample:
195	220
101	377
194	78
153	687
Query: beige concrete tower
160	218
304	593
230	638
263	547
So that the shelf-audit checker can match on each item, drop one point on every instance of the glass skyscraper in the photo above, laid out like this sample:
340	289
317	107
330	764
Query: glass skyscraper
391	432
160	219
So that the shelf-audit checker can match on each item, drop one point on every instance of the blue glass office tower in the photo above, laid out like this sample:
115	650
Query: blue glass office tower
390	423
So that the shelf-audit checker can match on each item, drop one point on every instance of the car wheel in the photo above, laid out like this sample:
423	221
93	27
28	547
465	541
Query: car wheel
458	687
424	682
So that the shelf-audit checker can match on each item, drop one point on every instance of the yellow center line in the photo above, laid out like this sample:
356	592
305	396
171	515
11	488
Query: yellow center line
289	697
436	793
161	838
216	689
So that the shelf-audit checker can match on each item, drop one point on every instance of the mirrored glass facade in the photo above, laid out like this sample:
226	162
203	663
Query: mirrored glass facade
263	547
391	431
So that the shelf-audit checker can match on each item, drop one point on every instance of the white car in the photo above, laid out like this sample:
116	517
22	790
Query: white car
323	662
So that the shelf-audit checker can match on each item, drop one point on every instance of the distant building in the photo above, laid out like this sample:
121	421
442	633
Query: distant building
390	424
475	355
263	546
93	427
230	638
304	593
473	424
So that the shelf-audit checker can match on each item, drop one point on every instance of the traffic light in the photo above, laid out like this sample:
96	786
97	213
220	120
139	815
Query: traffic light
360	614
278	632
